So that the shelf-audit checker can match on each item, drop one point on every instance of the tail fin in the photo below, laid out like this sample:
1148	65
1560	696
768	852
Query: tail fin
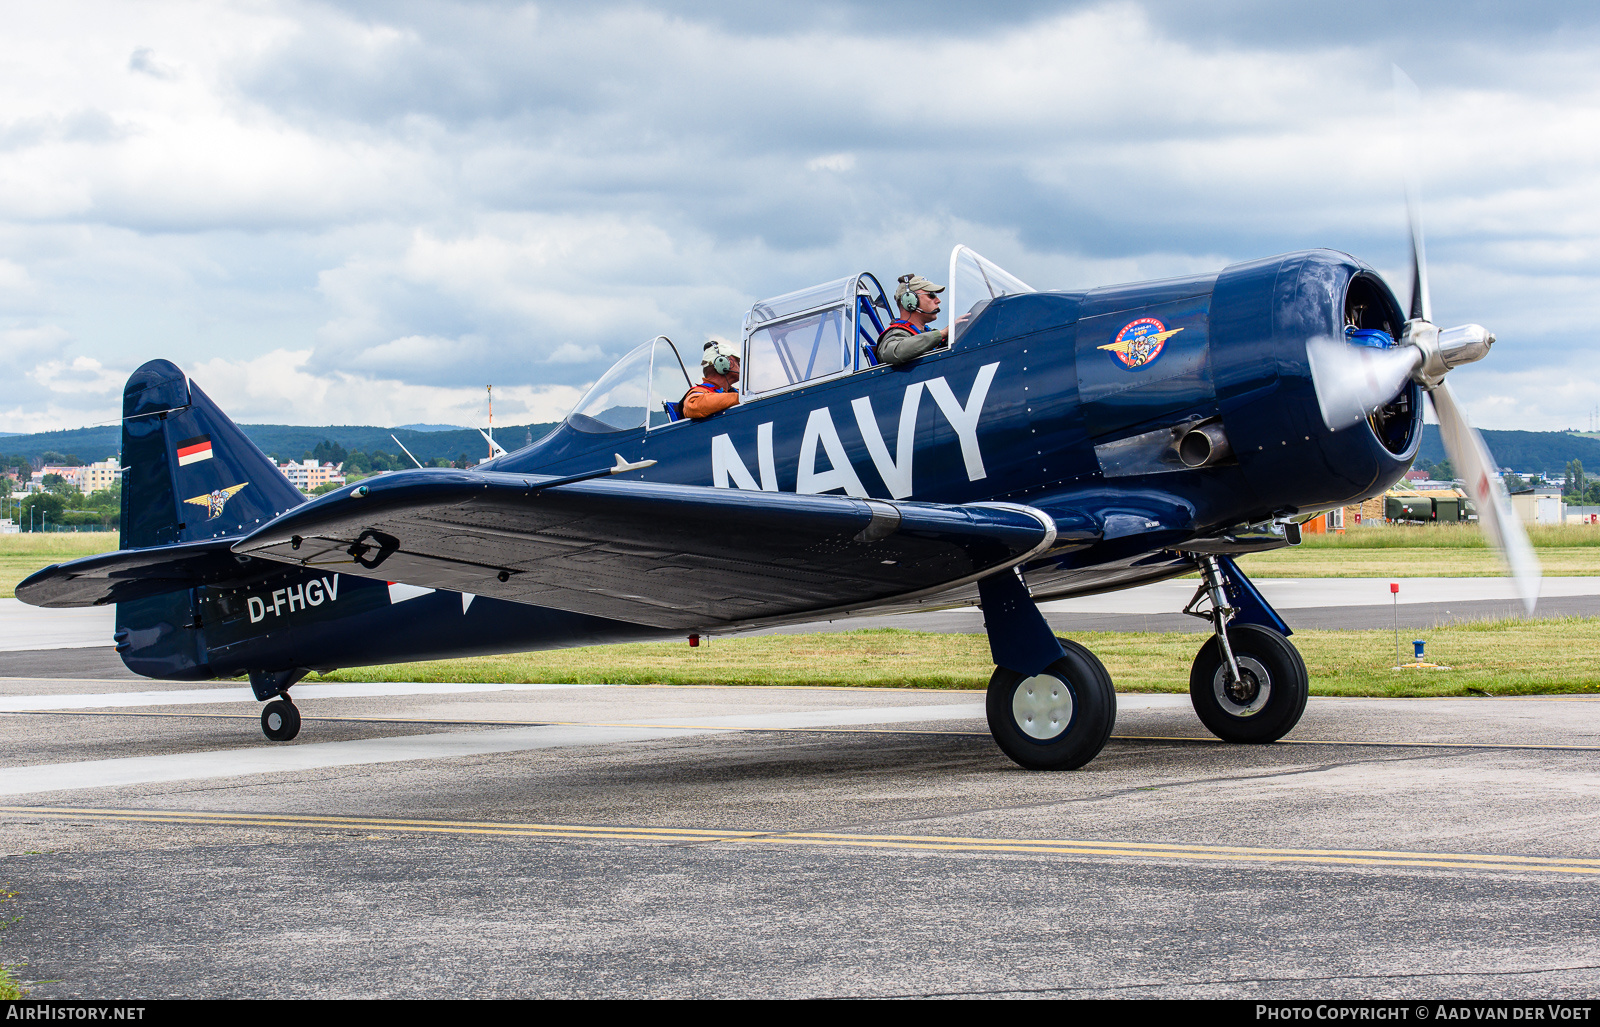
189	474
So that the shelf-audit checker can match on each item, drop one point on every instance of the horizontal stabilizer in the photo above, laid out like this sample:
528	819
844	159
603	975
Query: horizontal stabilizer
136	573
673	556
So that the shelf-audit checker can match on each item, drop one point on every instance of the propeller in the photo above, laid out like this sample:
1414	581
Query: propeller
1359	374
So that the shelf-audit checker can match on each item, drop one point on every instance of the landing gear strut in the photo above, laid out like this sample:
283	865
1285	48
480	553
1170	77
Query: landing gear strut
1248	683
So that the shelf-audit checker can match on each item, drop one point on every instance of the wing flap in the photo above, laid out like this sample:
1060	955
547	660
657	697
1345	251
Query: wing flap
677	556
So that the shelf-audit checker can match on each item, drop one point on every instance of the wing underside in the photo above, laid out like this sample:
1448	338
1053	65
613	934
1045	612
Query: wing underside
673	556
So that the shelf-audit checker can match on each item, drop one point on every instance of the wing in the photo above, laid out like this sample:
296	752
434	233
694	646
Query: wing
677	556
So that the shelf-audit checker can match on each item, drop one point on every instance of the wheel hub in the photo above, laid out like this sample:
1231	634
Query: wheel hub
1247	696
1043	707
275	720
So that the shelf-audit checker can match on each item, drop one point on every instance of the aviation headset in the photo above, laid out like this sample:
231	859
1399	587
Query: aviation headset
720	362
908	297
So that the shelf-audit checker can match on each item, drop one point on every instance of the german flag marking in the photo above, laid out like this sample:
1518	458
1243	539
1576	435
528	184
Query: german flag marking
194	450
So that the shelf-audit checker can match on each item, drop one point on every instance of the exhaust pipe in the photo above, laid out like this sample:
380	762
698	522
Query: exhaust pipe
1203	446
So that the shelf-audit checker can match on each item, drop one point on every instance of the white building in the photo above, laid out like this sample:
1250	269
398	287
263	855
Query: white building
307	475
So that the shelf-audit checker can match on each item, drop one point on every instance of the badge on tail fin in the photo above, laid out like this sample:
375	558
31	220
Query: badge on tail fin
215	501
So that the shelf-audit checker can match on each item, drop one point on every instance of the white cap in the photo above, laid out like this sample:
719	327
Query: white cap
717	346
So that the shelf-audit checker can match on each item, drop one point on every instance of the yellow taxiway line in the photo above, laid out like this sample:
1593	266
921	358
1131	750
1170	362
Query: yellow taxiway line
1168	851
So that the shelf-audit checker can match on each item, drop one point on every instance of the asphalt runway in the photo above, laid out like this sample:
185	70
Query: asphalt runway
616	841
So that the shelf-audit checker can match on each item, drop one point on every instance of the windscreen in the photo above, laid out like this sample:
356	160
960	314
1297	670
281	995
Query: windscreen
617	400
974	281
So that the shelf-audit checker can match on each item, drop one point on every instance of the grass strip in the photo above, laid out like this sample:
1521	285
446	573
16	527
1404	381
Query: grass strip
1504	657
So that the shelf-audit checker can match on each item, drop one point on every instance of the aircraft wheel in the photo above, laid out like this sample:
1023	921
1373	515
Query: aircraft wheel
1263	707
280	720
1058	719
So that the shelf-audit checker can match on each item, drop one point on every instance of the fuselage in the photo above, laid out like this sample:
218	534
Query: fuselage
1069	402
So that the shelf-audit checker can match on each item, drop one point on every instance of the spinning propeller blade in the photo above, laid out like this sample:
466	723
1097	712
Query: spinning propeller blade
1408	113
1470	458
1353	379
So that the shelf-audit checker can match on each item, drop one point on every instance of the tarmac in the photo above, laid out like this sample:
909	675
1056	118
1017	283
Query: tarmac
538	841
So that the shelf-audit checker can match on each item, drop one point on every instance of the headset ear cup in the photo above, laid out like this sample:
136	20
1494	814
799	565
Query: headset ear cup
908	301
721	364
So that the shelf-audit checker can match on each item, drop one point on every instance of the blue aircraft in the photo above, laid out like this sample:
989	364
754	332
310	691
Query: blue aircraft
1062	444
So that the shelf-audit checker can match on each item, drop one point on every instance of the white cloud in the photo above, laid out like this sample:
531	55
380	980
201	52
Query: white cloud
832	162
276	388
430	195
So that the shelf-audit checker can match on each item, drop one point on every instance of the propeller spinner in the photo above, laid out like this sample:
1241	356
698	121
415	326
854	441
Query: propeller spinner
1354	378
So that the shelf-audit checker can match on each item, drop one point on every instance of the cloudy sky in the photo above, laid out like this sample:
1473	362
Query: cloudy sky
360	213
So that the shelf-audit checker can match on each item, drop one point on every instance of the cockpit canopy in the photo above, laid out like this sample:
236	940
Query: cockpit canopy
826	331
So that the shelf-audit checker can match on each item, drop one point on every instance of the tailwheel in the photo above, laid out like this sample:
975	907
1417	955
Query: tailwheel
1058	719
280	720
1266	701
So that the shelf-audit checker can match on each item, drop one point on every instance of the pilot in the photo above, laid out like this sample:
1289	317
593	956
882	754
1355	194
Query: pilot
909	337
719	364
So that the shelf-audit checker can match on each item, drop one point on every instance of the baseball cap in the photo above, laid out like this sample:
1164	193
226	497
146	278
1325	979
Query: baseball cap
915	283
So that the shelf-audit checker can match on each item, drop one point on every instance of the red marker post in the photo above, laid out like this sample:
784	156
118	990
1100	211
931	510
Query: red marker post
1394	593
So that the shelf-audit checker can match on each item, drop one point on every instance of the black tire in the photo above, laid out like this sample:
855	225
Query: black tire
1085	695
1275	686
280	720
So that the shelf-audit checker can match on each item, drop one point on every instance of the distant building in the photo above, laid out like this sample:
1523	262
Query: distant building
1539	506
88	478
1583	515
100	476
307	475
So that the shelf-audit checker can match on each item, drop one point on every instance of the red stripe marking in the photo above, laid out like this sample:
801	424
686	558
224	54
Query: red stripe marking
191	450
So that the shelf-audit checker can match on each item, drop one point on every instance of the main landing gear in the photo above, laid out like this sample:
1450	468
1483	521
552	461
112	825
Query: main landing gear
1057	719
1050	704
280	718
1248	684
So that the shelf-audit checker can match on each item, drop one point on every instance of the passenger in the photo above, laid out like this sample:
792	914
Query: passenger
909	337
719	363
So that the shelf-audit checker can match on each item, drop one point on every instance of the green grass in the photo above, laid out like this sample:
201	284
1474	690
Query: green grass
24	553
1509	657
1426	551
11	989
1450	536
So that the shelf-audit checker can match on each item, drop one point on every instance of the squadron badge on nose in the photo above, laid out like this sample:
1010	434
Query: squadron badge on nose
215	501
1140	342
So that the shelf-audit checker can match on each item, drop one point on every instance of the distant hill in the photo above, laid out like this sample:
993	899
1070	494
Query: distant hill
1518	450
289	442
1545	451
